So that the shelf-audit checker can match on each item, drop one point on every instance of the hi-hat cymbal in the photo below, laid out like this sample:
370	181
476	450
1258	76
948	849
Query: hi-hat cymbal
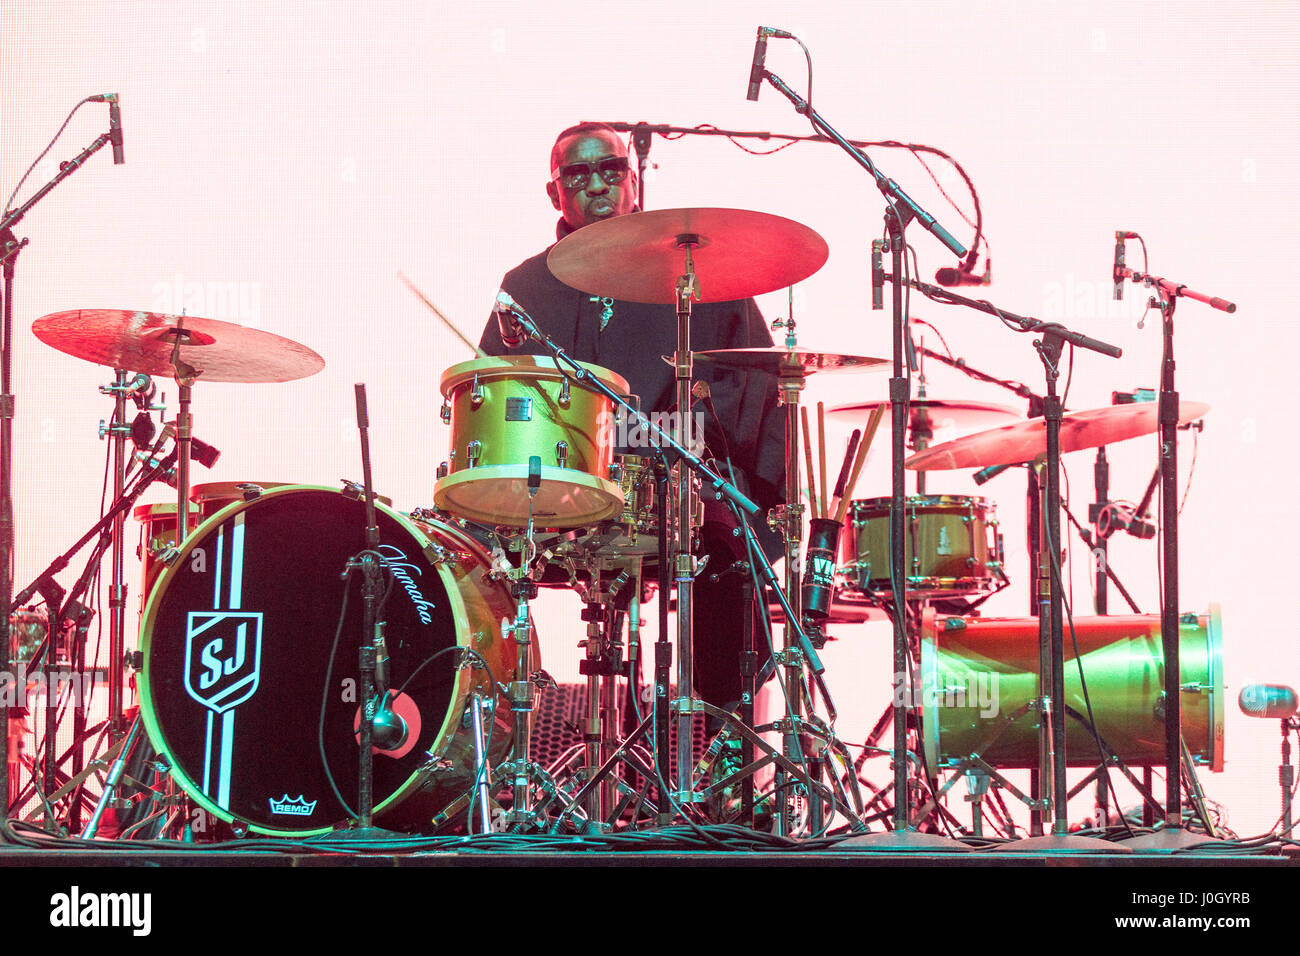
737	253
143	342
778	359
939	412
1026	440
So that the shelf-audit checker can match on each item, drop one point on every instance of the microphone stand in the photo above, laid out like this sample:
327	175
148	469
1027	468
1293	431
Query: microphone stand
1050	598
1167	293
900	211
369	563
10	245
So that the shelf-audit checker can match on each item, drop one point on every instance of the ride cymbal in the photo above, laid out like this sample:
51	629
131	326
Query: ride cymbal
737	253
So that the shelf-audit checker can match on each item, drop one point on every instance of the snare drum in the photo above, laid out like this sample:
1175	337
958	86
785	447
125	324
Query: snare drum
638	524
978	677
237	644
952	546
504	411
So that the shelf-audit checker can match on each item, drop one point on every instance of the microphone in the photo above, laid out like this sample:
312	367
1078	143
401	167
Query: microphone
1116	517
984	474
877	273
962	276
114	124
1268	700
512	332
1116	271
388	729
756	70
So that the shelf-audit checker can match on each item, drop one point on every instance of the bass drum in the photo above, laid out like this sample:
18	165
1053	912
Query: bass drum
238	639
978	676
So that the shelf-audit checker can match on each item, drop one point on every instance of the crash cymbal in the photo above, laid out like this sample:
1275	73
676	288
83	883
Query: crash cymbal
1025	440
778	358
940	413
142	342
737	253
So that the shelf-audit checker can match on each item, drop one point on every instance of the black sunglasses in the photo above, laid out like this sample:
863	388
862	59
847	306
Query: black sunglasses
578	175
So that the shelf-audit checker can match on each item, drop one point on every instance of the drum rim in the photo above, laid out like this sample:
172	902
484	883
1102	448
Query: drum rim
1217	702
927	501
460	687
522	366
516	472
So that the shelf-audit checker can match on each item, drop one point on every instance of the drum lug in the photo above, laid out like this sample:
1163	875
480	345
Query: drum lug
443	469
437	554
445	413
250	491
562	451
615	471
473	452
565	399
476	393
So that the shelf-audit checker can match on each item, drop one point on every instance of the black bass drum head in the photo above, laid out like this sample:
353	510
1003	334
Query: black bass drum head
239	636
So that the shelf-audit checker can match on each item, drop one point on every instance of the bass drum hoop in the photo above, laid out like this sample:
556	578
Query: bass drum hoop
463	686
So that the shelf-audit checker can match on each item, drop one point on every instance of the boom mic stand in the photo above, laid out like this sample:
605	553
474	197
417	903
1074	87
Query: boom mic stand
1167	293
900	211
9	248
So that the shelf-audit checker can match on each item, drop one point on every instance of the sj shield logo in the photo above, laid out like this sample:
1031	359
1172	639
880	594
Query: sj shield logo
223	655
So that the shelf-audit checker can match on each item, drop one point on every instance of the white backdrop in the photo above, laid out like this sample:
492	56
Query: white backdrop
284	161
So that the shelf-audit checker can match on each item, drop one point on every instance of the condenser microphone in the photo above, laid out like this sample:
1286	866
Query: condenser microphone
115	131
756	70
1117	273
512	332
877	274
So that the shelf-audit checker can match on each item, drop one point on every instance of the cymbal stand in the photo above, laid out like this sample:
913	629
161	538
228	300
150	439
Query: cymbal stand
186	376
118	430
787	519
688	288
684	562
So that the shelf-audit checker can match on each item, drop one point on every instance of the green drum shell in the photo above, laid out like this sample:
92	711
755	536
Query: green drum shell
1123	665
947	546
512	409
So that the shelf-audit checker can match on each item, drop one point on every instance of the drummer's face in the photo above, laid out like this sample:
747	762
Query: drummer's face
598	199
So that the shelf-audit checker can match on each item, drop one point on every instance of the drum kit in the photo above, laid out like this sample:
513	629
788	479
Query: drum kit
247	691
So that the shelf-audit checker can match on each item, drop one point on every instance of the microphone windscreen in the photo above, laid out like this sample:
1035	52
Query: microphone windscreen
1268	700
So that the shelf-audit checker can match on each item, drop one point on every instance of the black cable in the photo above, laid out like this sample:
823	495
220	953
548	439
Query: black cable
9	204
325	696
1078	662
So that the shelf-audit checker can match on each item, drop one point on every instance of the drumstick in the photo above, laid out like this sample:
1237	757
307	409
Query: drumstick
807	452
445	321
872	423
821	448
844	470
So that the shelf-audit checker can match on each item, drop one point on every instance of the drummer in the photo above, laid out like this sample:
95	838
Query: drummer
591	179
